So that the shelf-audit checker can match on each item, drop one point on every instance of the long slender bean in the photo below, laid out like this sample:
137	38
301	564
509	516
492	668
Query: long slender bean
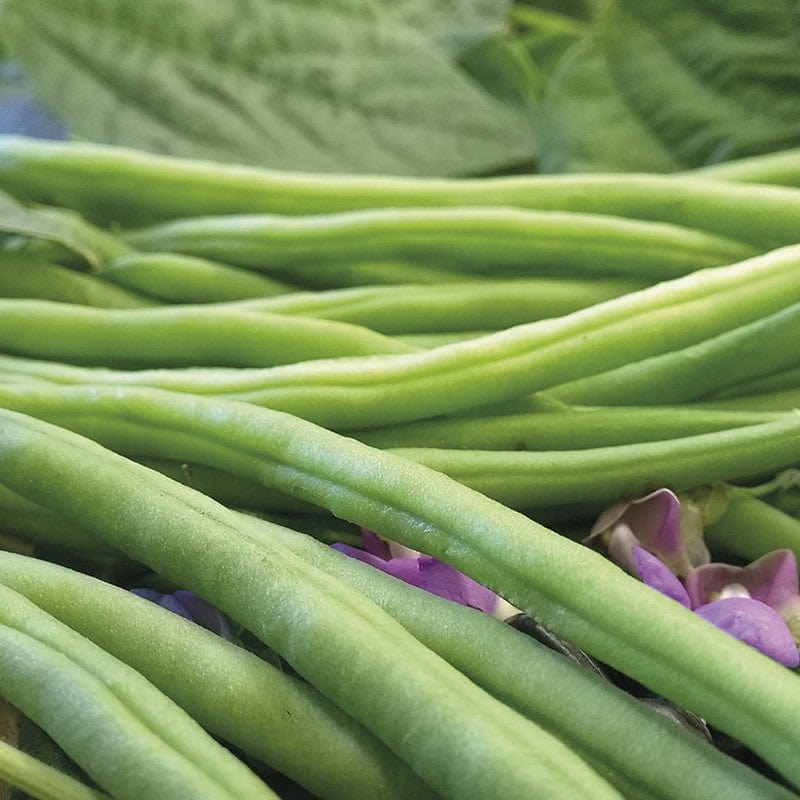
378	390
760	348
229	691
180	335
447	307
40	780
456	737
787	379
23	276
118	184
82	696
748	528
492	241
539	424
174	278
780	169
592	715
612	615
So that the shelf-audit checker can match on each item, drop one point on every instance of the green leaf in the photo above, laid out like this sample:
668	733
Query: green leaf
457	25
339	85
662	86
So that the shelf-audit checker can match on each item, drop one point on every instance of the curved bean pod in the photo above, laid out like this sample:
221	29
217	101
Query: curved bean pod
738	356
456	737
492	241
133	741
230	692
612	616
779	169
178	336
447	307
123	185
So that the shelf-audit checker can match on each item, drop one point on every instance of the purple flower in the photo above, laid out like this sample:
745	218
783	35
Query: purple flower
657	523
758	604
188	605
424	572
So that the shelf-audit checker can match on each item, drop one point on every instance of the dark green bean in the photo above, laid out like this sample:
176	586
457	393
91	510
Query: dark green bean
491	241
122	185
455	736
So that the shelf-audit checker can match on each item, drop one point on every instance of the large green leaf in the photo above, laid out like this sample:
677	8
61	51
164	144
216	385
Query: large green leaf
661	86
339	85
456	24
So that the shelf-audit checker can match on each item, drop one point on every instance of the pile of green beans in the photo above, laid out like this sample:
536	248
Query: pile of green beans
210	373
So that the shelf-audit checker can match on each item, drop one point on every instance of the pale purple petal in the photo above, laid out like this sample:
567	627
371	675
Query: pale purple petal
375	544
772	579
659	576
754	623
445	581
654	521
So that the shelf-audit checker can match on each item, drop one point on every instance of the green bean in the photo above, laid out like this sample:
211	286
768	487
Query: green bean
780	169
786	379
229	691
747	528
546	425
492	241
602	475
604	723
781	400
177	336
455	736
24	276
173	278
39	780
611	616
378	390
413	308
118	184
754	350
124	733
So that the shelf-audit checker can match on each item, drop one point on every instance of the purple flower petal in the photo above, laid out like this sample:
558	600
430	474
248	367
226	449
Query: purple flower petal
772	579
659	576
425	572
754	623
652	522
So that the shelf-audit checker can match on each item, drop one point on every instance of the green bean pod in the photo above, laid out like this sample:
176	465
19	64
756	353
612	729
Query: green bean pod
459	739
132	740
115	184
491	241
177	336
539	423
786	379
738	356
781	168
347	393
230	692
24	276
612	615
614	731
40	780
448	307
173	278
